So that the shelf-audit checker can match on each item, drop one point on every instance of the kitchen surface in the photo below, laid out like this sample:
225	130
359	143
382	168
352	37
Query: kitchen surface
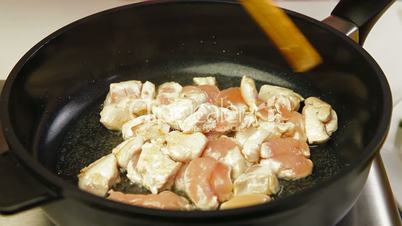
24	23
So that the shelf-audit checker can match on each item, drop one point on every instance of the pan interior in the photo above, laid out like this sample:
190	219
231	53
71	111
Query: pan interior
56	92
87	139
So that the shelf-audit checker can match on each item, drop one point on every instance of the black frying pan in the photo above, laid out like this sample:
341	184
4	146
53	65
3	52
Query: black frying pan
51	100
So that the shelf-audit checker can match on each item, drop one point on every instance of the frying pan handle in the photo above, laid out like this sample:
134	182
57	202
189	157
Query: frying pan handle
18	189
362	13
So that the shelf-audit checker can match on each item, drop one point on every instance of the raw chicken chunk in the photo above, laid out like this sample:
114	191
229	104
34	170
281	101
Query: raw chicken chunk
148	91
247	120
298	132
128	128
140	107
244	201
125	151
132	173
185	147
194	93
251	147
231	98
278	97
206	182
154	131
212	92
179	183
168	92
258	179
166	200
113	116
123	90
320	120
210	118
99	176
204	80
221	182
241	136
249	92
175	112
284	146
289	167
154	168
228	152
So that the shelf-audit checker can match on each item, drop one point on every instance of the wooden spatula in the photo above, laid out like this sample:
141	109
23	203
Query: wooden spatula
298	51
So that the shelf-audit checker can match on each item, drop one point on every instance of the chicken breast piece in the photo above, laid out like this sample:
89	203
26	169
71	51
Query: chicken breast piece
210	118
277	96
204	119
194	93
284	146
231	98
122	90
166	200
185	147
206	182
204	81
226	150
251	147
320	120
155	167
140	107
125	151
229	120
297	119
212	91
244	201
179	183
168	92
113	116
249	92
148	91
242	135
99	176
221	182
132	173
289	167
197	183
175	112
154	131
128	128
258	179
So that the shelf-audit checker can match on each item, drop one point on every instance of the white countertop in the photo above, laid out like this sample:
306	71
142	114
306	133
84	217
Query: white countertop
23	23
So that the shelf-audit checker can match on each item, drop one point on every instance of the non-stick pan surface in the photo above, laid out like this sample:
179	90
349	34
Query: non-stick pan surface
53	96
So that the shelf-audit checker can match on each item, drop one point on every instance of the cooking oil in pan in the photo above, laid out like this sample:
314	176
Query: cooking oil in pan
88	140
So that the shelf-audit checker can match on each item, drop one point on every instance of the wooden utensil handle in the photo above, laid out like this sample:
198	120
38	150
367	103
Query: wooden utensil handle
298	51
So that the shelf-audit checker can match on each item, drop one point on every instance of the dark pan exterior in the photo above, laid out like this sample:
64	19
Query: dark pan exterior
69	71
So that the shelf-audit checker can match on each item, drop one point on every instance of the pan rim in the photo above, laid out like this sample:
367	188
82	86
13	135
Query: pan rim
68	190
